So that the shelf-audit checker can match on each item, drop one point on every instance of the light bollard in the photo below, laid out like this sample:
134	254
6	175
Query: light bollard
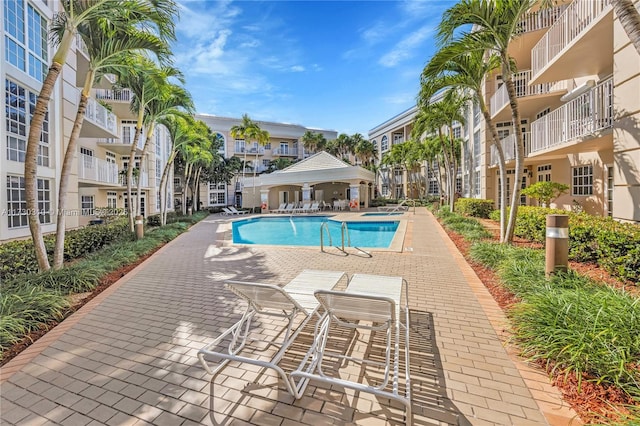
139	227
557	244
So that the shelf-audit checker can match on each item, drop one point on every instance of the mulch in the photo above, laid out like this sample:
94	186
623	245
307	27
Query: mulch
592	401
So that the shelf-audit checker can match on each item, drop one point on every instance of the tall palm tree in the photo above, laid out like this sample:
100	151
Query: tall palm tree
158	14
495	26
365	151
148	82
310	141
262	138
107	48
455	66
629	19
246	131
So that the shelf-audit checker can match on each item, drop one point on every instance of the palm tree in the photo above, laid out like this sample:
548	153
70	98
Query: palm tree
107	52
365	151
630	20
310	141
495	26
246	131
455	66
148	82
262	138
117	14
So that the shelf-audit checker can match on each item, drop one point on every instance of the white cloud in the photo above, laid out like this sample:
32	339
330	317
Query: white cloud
297	68
405	48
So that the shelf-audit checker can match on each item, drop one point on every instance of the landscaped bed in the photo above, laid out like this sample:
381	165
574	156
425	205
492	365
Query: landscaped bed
582	327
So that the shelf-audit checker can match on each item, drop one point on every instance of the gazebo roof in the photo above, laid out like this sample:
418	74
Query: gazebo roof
320	167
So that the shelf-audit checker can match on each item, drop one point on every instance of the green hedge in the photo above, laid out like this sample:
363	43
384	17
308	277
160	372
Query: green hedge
474	207
613	245
18	257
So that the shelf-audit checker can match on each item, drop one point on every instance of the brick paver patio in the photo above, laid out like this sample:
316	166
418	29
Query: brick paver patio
129	356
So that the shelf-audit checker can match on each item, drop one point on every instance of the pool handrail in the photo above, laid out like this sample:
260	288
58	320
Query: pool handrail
324	225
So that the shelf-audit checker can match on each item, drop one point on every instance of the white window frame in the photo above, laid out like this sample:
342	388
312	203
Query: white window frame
87	205
582	180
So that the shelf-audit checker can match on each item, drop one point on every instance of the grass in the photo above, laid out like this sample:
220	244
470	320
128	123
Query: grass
28	302
569	322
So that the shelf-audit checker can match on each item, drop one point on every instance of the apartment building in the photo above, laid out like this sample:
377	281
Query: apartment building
97	179
578	87
284	142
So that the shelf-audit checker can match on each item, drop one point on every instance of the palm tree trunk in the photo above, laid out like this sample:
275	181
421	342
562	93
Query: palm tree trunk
33	142
145	148
519	166
501	165
629	19
187	176
163	188
132	159
70	153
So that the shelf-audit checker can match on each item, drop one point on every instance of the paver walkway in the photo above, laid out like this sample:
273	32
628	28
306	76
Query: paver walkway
129	355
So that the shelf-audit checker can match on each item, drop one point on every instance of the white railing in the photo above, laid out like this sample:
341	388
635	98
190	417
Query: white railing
242	150
575	19
97	169
101	116
81	46
541	19
521	80
583	116
123	95
144	177
509	148
292	152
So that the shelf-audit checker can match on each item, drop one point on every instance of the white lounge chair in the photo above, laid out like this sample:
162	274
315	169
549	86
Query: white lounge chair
392	208
304	209
296	297
236	211
226	212
315	207
288	209
280	208
373	303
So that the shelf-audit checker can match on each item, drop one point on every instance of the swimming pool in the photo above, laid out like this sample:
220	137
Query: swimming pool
305	231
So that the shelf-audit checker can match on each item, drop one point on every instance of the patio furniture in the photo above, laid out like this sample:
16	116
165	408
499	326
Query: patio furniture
236	211
304	209
392	208
372	303
226	212
289	301
280	208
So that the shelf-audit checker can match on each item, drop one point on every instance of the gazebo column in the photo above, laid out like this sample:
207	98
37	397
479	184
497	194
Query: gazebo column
306	193
264	201
354	199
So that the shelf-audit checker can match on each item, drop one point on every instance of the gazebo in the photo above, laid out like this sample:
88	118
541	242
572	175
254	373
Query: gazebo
321	177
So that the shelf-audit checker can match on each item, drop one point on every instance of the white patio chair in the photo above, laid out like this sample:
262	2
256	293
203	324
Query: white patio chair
280	208
370	302
393	208
226	212
304	209
289	301
315	207
236	211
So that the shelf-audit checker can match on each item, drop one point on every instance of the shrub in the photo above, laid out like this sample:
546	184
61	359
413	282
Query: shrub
474	207
545	192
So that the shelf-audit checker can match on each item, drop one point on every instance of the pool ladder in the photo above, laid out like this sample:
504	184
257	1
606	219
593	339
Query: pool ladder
344	230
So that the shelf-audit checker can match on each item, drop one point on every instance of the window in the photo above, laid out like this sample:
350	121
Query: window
158	171
217	194
86	205
284	148
239	145
476	146
158	143
582	180
22	32
17	122
266	163
17	204
544	173
384	144
112	200
457	132
543	113
398	138
267	145
87	157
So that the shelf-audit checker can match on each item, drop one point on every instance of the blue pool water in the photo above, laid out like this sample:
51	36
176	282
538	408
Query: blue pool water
305	231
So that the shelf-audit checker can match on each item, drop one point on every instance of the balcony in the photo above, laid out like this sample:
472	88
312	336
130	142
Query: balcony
99	122
585	116
585	28
119	100
144	176
509	148
541	19
119	146
538	94
254	151
97	170
285	152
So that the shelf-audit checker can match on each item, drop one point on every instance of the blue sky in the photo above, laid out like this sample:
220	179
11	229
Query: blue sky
341	65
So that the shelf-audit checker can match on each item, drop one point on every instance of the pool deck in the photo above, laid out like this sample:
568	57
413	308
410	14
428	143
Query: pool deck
128	357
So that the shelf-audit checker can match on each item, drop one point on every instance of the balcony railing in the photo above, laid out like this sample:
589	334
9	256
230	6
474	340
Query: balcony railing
541	19
123	95
101	116
242	150
291	152
97	169
521	80
81	46
577	16
144	176
509	148
583	116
